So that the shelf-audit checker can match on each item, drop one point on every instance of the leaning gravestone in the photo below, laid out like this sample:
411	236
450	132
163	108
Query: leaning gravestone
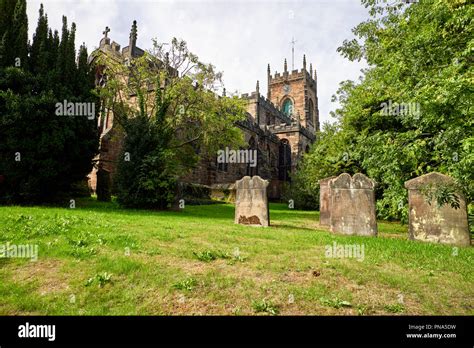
251	202
430	223
352	207
325	201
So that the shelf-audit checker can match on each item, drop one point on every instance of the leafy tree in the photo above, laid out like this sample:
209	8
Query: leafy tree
419	55
173	114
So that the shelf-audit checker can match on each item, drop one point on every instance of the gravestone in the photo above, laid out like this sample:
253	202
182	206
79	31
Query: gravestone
352	207
251	202
430	223
325	201
103	185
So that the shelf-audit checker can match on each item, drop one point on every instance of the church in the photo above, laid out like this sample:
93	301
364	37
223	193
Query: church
280	126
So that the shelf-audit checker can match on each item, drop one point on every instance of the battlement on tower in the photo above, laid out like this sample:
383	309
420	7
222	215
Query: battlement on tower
261	130
267	104
287	76
295	126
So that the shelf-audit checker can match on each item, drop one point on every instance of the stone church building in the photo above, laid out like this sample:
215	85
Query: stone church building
280	125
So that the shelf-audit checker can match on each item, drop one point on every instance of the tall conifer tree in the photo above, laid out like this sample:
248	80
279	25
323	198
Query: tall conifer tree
20	34
38	56
7	39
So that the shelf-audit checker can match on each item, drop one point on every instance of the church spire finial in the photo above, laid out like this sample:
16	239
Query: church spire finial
310	69
268	69
257	88
285	66
133	37
304	61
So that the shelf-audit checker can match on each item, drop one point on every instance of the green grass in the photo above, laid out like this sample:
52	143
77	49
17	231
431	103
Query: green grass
98	259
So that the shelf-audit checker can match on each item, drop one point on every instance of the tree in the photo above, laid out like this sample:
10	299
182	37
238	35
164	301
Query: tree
175	114
411	111
39	47
7	38
42	154
20	33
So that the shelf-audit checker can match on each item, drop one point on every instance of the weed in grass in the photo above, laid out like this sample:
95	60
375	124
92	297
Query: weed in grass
335	302
82	253
186	284
100	278
395	308
237	257
153	252
265	306
362	310
210	255
237	311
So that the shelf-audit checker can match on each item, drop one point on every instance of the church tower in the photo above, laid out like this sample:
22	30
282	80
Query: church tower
295	93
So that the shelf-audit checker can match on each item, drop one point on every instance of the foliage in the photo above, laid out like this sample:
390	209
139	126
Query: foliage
186	284
101	279
210	255
442	195
42	155
395	308
266	307
419	55
335	302
328	157
175	116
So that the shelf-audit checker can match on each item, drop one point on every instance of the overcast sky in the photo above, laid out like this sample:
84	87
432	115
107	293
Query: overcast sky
240	37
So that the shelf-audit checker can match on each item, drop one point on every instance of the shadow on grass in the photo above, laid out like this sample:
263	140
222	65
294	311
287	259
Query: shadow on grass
294	227
278	211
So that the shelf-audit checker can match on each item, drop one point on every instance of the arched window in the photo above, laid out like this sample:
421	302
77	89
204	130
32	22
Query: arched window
284	159
310	111
253	170
288	107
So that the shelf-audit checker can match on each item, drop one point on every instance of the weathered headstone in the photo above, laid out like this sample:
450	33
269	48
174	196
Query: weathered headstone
430	223
325	201
103	185
352	207
251	203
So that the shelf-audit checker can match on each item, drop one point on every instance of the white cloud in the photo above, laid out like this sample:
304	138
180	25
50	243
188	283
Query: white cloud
239	37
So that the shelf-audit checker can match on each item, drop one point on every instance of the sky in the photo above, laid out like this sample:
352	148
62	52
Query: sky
239	37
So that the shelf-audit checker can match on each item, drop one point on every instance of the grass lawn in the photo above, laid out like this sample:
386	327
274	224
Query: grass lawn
98	259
